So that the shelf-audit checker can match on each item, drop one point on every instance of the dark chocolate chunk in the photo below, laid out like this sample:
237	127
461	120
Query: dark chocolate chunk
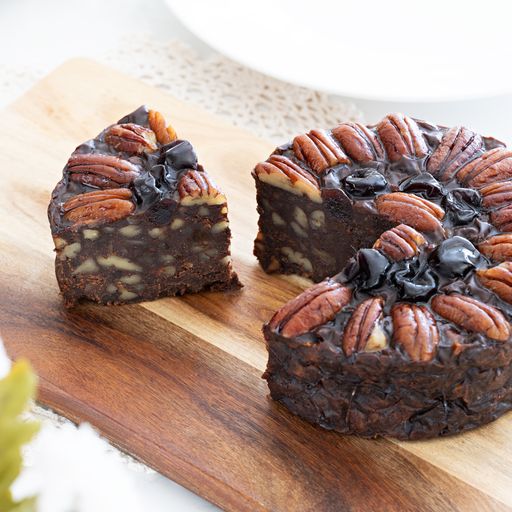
414	281
462	205
423	184
179	155
367	269
455	257
365	183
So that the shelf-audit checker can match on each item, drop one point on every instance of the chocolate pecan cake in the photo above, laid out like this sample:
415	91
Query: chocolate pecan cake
135	217
412	338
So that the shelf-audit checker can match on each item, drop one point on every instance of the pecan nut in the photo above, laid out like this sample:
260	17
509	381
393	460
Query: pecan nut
497	194
401	136
364	331
494	165
312	308
164	133
101	171
131	138
359	142
98	207
415	330
319	150
457	147
400	243
412	210
498	248
498	279
279	171
196	188
472	315
502	218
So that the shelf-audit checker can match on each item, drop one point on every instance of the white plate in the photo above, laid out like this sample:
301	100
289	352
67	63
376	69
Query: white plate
394	50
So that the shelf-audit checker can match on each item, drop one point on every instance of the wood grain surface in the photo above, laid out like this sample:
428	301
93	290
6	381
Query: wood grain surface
177	382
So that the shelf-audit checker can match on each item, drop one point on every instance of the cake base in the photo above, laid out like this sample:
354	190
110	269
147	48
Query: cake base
381	395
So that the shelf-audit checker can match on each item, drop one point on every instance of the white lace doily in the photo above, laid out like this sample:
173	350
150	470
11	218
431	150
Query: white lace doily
268	107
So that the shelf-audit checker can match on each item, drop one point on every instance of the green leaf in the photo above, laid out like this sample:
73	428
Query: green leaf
11	463
16	433
17	389
27	505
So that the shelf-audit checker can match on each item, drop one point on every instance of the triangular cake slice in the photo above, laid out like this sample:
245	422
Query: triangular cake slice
135	217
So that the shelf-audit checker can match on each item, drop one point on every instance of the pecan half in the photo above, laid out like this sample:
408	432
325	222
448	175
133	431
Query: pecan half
102	171
401	136
281	172
458	146
131	138
411	210
498	279
164	134
364	332
196	188
400	243
494	165
319	150
98	207
312	308
415	329
359	142
472	315
498	248
497	194
502	218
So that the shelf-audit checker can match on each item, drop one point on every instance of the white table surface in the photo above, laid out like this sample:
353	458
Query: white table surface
39	35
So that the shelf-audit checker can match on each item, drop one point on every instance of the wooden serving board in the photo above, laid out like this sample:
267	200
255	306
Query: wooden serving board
177	382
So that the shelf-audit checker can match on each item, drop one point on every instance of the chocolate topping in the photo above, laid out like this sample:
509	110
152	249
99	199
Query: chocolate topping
158	171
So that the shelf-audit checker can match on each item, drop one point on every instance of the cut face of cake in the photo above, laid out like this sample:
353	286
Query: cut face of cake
135	217
412	338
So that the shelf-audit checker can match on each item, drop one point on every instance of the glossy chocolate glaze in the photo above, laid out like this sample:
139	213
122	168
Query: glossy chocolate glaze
465	222
154	189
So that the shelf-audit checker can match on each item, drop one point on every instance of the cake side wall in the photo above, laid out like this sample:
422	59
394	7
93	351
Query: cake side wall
385	394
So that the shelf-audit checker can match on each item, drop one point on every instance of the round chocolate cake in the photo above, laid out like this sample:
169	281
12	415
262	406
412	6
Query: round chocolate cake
412	338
